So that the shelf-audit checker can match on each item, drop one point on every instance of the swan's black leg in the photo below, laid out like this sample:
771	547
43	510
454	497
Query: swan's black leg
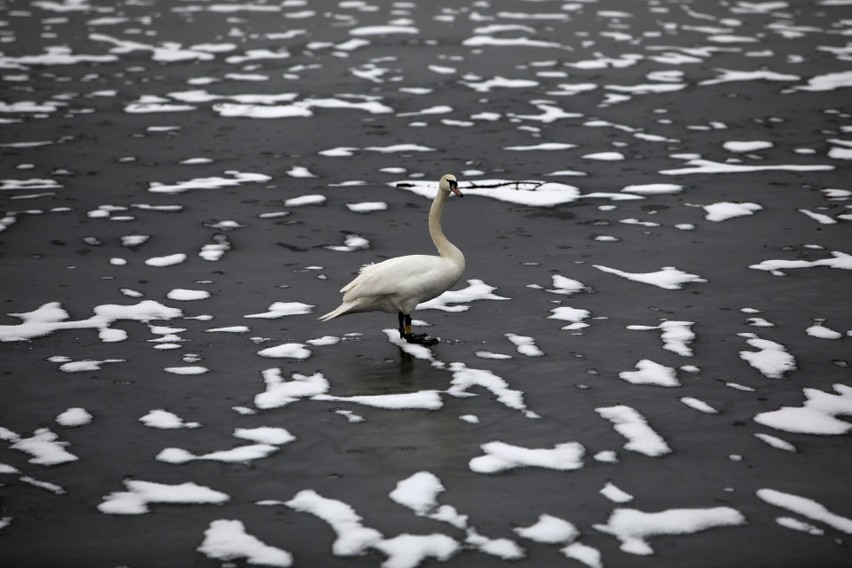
405	332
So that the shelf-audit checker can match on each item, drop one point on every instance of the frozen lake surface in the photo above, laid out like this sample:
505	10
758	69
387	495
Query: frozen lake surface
645	363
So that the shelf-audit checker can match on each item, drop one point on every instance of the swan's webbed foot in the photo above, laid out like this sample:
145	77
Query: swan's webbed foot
420	338
417	338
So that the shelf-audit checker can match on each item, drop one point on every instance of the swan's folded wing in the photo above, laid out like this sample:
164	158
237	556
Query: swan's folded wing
401	276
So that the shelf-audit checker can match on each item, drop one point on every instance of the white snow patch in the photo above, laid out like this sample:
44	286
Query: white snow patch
353	538
640	436
798	525
566	286
817	415
633	527
269	435
614	494
807	508
605	156
236	178
185	295
653	189
418	492
771	359
726	210
280	392
305	200
465	378
323	341
240	454
168	260
282	309
676	335
227	540
367	206
776	442
229	329
650	373
668	277
408	551
286	351
698	405
492	355
549	146
500	456
351	243
86	365
51	317
421	400
838	259
584	554
822	332
819	217
699	166
573	315
187	370
549	530
139	494
525	345
45	448
747	146
74	417
166	420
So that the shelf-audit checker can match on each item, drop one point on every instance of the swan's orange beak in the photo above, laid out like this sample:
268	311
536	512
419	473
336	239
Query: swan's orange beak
454	187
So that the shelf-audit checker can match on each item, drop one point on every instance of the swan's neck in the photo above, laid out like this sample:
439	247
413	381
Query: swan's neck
445	248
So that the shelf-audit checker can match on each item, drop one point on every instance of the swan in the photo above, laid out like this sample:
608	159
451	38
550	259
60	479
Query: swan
398	284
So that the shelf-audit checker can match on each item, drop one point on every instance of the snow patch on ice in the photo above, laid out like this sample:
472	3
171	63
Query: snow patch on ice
817	415
500	456
74	417
640	436
634	527
726	210
166	420
227	540
771	359
807	508
139	494
650	373
668	278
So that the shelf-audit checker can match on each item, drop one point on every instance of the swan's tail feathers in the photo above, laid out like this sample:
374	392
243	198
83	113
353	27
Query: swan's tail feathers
342	309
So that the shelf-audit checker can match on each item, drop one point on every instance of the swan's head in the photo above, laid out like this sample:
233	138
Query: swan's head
448	183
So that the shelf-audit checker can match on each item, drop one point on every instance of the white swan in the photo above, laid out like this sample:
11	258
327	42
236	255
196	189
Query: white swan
399	284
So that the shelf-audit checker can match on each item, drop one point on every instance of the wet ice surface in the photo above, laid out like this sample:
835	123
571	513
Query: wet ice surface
648	353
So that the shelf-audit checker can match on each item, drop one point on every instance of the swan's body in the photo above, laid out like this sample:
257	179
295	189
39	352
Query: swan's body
398	284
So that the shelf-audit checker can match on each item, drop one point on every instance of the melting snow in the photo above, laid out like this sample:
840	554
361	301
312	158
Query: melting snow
227	540
500	456
633	426
74	417
771	359
816	416
634	527
725	210
139	494
668	278
649	372
807	508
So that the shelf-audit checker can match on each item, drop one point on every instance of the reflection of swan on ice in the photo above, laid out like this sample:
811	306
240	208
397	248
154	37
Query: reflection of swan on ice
398	284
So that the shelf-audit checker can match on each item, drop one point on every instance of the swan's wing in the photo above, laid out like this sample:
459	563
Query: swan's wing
407	276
